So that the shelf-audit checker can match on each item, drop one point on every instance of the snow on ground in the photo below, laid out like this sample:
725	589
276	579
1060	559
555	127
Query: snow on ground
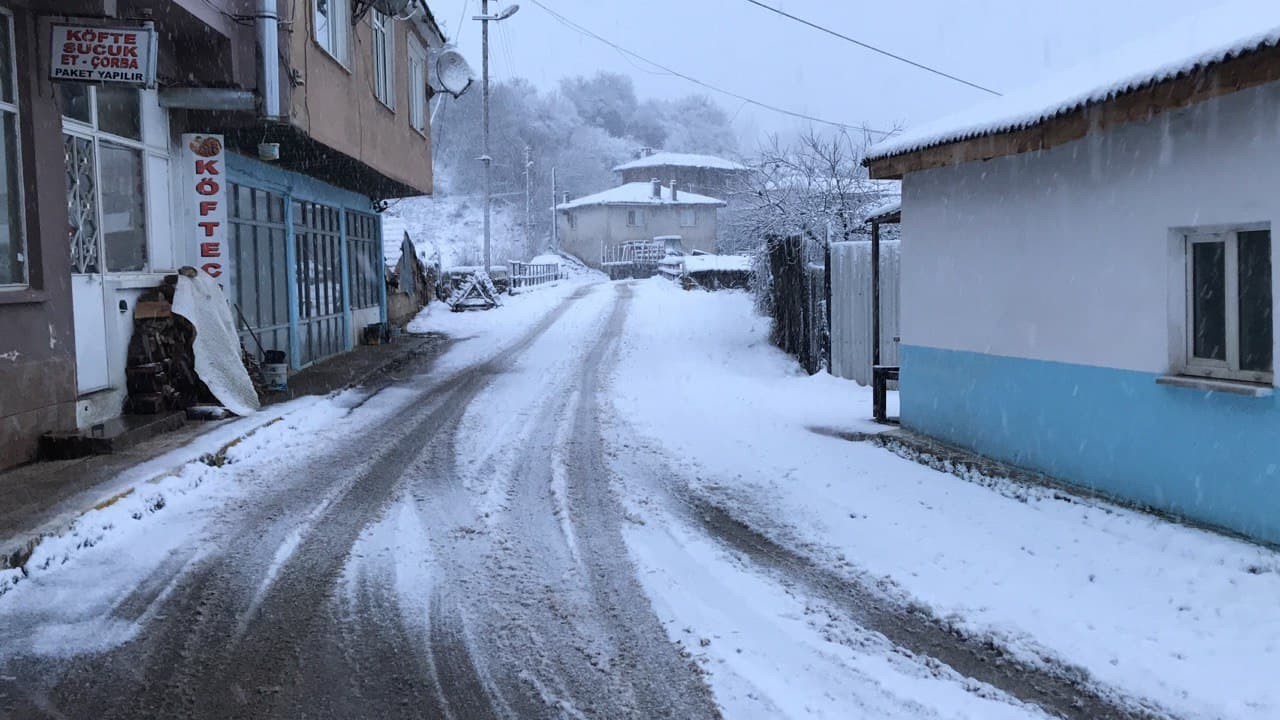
74	579
451	227
767	653
510	410
1151	609
707	263
62	604
480	334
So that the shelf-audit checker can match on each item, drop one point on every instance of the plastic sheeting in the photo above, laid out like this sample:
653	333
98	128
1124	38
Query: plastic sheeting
217	344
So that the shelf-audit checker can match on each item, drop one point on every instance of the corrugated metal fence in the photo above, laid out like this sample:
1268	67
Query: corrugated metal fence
851	308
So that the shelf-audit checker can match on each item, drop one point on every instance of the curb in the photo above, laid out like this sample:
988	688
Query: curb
15	551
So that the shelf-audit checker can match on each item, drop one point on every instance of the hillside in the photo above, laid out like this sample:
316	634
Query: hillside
451	227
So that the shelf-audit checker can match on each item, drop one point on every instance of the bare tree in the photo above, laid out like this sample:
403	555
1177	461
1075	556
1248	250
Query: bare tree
802	188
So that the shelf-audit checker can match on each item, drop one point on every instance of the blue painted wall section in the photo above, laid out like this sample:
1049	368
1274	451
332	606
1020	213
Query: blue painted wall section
295	186
1210	457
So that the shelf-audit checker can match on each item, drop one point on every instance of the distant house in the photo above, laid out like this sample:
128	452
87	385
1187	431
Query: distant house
1089	278
703	174
636	212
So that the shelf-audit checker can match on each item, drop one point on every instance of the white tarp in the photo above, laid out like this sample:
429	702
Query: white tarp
217	345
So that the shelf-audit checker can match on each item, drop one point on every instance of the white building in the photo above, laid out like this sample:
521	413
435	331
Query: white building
1087	273
636	212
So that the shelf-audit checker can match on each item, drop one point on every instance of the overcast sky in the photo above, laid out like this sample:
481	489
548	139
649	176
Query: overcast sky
1002	44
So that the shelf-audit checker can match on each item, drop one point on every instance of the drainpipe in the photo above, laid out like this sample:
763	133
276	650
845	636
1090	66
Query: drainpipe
269	70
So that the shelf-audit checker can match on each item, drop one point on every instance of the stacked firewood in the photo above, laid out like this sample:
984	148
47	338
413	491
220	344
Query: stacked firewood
161	370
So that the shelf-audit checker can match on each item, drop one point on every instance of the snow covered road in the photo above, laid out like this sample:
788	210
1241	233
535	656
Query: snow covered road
580	511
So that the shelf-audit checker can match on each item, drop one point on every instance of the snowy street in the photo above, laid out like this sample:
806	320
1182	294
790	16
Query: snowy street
616	500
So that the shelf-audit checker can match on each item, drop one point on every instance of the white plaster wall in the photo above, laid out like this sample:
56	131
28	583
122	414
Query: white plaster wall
608	224
1065	255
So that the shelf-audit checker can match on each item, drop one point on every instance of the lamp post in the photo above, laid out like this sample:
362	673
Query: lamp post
485	18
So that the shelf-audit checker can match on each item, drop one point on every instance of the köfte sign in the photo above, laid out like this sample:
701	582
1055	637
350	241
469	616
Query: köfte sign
205	180
124	55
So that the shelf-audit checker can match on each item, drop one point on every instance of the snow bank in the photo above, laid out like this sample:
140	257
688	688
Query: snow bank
1219	33
1151	609
709	263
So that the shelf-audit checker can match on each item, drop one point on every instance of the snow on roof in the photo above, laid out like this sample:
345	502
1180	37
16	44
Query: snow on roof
546	259
639	193
1197	41
884	210
667	159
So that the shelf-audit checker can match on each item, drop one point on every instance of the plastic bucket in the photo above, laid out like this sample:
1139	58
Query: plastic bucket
276	376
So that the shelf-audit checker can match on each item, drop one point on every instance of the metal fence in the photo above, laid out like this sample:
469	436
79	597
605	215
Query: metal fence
851	344
528	275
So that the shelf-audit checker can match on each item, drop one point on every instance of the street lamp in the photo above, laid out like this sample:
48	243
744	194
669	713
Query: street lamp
485	18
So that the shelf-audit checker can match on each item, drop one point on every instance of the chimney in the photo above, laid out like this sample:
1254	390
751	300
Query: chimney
675	194
657	189
566	197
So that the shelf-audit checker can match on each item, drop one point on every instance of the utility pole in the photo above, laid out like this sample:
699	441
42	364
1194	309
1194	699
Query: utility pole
485	157
485	18
528	201
555	220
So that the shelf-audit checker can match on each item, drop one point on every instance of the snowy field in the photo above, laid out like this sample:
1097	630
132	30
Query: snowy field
1172	618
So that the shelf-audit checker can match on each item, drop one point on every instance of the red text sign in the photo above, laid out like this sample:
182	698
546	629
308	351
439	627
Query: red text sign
103	54
205	179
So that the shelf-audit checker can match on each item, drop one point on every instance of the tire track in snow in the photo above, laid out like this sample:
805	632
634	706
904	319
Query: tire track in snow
288	654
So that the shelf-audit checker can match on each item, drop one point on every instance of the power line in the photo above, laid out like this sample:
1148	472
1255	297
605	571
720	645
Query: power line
575	26
872	48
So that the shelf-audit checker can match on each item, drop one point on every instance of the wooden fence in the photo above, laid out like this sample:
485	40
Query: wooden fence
796	301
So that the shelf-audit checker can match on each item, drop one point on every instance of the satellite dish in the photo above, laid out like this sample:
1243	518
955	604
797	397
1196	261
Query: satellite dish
454	73
392	7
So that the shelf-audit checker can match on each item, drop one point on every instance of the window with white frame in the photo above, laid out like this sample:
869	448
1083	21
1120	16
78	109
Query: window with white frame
1230	305
384	70
688	217
105	157
332	27
635	218
417	56
13	246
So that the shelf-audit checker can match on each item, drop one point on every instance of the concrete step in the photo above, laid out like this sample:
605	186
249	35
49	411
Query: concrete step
109	437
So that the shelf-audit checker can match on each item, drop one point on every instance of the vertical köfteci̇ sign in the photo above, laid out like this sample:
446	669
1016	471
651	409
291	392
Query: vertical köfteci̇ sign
124	55
205	180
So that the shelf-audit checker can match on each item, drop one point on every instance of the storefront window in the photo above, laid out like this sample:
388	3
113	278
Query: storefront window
119	111
124	233
13	248
106	185
76	102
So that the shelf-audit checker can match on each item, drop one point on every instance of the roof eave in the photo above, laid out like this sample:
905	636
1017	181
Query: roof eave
1240	72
